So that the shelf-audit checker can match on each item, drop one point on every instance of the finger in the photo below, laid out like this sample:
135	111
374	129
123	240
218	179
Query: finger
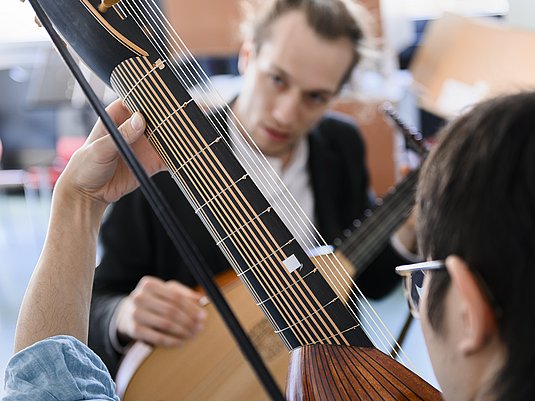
157	297
118	113
179	326
186	299
170	291
186	319
158	338
134	320
131	130
174	289
171	299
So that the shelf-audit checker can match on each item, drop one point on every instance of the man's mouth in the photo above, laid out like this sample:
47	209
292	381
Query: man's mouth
276	135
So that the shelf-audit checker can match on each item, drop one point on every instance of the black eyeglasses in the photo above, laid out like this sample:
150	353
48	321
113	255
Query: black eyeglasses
413	281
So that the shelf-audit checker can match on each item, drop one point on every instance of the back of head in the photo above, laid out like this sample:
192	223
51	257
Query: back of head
330	19
476	199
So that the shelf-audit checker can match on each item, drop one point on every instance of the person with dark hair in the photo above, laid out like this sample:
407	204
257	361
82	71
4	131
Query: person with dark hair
295	57
476	226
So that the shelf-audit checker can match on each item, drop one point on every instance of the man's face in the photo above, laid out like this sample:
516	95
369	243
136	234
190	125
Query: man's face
289	83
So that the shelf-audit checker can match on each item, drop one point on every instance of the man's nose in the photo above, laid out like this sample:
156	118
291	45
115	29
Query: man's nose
286	108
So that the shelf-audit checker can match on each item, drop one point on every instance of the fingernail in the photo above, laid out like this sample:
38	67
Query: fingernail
203	301
137	121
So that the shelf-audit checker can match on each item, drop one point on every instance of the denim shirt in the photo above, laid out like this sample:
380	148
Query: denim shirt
59	368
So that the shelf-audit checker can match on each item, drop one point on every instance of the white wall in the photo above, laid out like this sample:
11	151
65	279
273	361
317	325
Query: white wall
17	23
522	14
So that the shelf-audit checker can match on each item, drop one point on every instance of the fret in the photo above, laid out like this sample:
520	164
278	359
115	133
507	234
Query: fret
339	334
220	193
193	174
158	65
317	311
324	329
287	288
200	152
153	131
279	249
186	187
245	225
227	207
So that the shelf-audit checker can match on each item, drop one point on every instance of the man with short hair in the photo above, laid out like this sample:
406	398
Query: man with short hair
296	56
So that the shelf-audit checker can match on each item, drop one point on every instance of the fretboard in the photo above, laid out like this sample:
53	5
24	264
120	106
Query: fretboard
286	285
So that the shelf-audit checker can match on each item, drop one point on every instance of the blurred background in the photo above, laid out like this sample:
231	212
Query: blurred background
435	58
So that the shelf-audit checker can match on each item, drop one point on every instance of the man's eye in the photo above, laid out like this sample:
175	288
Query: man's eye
277	80
317	98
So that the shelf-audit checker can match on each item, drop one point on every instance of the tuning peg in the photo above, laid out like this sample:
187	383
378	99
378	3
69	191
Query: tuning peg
37	21
105	5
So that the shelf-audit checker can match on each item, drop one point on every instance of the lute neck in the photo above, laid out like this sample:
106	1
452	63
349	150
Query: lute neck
286	285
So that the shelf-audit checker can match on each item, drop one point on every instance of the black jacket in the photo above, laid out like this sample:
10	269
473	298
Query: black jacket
135	244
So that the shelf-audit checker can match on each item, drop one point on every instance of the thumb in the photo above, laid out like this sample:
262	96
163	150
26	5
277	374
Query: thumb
133	128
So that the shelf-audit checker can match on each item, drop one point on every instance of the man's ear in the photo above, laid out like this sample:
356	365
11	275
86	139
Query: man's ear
478	322
247	51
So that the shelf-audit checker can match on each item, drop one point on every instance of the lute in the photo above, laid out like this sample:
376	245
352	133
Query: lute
332	357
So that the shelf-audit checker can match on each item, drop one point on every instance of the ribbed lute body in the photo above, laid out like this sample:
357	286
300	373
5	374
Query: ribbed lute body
292	292
330	372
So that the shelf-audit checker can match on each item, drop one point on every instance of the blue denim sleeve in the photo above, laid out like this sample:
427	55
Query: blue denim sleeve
59	368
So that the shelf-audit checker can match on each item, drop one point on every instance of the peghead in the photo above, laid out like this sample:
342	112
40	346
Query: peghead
105	5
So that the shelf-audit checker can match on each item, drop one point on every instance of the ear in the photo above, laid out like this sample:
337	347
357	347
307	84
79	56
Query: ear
477	318
247	51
